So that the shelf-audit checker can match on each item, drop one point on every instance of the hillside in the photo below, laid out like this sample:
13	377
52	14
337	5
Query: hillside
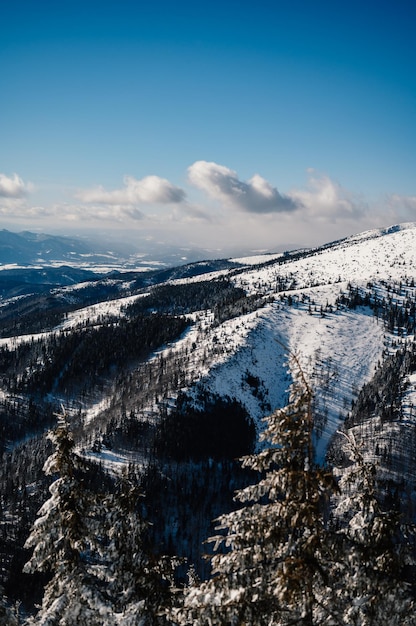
173	370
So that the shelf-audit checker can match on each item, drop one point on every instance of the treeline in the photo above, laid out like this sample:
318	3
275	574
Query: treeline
383	394
217	295
66	361
397	309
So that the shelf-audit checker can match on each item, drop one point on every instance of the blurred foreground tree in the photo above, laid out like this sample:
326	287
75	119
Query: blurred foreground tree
376	549
273	560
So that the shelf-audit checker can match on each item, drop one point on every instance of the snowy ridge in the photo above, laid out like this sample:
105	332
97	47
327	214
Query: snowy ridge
388	255
339	351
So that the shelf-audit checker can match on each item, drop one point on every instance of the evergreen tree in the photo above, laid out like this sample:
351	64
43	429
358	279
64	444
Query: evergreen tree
376	550
138	582
272	562
64	538
94	547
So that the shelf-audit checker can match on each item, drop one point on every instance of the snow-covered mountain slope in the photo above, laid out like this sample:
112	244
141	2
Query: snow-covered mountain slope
129	352
338	348
338	353
325	305
374	255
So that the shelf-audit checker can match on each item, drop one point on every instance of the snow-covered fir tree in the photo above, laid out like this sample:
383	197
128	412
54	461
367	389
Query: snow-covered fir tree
93	544
375	547
64	539
272	560
138	582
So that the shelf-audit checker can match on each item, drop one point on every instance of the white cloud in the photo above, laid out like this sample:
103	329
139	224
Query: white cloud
13	186
64	212
255	196
326	199
401	203
148	190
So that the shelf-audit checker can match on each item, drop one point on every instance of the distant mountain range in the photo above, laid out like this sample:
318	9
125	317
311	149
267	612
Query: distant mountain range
100	252
27	248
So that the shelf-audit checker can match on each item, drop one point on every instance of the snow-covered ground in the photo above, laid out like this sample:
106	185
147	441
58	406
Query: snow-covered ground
338	352
92	314
391	256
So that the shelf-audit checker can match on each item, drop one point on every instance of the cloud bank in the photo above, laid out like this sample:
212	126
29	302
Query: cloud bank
148	190
326	199
255	196
406	204
12	186
253	214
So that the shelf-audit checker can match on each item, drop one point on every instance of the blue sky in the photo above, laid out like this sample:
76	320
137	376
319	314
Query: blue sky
229	125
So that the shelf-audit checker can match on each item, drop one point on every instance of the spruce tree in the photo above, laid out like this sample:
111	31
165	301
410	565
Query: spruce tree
94	546
272	561
138	581
376	549
64	538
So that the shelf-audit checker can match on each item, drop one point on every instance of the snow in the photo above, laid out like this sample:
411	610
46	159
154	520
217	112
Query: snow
94	312
391	257
91	314
338	353
95	409
409	399
257	259
111	460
